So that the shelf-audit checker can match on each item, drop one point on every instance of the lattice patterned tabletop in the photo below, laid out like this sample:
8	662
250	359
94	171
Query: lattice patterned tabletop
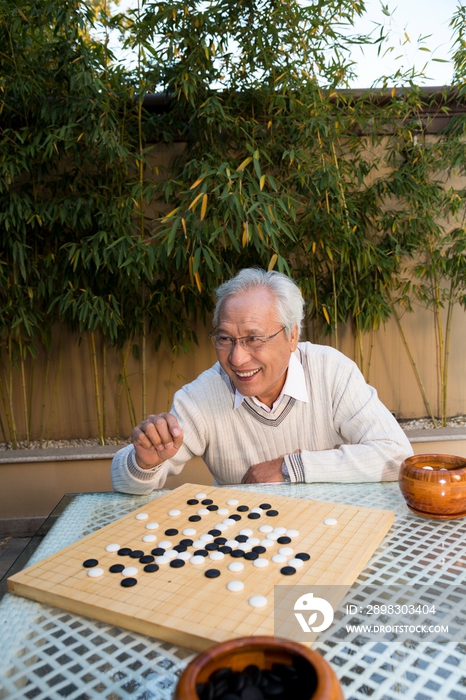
49	654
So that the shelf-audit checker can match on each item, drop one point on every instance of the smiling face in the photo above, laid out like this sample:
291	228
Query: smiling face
262	372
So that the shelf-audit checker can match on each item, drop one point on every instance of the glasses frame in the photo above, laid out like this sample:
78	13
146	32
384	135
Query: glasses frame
264	338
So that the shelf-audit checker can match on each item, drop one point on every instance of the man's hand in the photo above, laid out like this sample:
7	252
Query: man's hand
264	472
156	439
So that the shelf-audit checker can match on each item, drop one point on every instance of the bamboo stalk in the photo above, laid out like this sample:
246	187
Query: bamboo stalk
96	389
57	382
31	389
7	412
415	369
369	360
10	391
170	381
144	382
104	390
335	306
441	350
23	387
447	348
118	408
44	392
129	400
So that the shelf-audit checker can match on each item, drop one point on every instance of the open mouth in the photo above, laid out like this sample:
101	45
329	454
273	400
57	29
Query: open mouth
247	375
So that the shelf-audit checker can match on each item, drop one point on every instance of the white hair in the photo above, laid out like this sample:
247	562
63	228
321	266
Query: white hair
289	301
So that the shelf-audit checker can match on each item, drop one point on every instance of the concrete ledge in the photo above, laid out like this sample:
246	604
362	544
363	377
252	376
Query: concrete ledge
436	434
59	454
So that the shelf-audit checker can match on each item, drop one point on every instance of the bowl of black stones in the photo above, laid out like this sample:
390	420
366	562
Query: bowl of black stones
434	485
258	668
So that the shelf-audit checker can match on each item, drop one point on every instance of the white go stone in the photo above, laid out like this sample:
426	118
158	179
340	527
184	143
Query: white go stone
199	544
171	553
184	555
235	585
267	543
430	469
149	538
141	516
112	547
174	512
280	530
232	502
95	572
330	521
223	511
252	541
203	511
197	559
206	537
265	528
261	562
162	560
221	527
258	601
273	536
292	533
279	558
165	544
236	566
296	563
200	495
129	571
232	543
257	510
152	526
286	551
246	531
216	556
229	521
189	531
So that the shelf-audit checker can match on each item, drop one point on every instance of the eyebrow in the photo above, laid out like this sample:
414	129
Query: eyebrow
254	331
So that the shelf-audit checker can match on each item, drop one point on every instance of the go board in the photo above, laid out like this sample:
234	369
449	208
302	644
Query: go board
166	589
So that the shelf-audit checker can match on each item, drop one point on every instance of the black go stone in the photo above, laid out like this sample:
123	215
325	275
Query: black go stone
303	555
116	568
284	540
146	559
180	548
171	532
124	552
288	570
225	549
212	508
254	516
242	509
215	533
151	568
271	513
192	502
237	553
251	556
136	554
194	518
201	553
158	551
212	546
186	543
177	563
212	573
241	538
207	502
89	563
265	506
235	516
220	540
128	582
259	549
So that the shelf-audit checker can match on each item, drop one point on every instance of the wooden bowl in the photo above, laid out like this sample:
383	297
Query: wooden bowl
263	652
434	486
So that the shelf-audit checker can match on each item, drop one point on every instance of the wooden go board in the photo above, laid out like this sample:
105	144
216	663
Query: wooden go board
183	606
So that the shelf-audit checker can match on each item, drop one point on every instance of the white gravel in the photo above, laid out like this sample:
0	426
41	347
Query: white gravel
409	424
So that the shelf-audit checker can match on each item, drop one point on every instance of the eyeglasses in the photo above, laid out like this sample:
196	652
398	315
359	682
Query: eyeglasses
249	342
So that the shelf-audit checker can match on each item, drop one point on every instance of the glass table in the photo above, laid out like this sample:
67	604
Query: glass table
49	654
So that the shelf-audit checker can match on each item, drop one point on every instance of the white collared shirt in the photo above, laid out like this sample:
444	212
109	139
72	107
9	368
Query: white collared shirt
295	386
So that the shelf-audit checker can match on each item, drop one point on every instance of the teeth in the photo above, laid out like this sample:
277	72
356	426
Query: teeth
247	374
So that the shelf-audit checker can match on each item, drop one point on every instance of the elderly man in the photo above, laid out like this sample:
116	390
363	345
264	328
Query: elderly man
271	409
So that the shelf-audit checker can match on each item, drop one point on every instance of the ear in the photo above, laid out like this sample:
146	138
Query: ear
294	337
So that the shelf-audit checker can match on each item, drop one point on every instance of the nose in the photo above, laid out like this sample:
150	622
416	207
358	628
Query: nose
238	354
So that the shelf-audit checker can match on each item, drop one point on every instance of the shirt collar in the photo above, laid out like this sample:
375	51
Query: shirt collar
295	387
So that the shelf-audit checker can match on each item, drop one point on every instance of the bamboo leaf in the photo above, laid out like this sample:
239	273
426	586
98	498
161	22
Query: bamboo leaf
204	206
244	164
272	262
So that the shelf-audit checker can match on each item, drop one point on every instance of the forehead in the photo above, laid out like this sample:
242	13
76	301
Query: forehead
254	310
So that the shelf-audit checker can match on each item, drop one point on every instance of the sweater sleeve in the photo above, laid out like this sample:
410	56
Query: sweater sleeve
128	477
372	444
